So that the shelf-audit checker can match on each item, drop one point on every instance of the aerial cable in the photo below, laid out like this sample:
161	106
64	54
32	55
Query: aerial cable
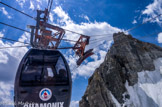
135	26
69	40
142	23
150	34
74	68
125	41
77	32
14	27
30	32
73	32
102	34
126	30
17	10
96	42
13	40
87	35
14	47
26	30
50	6
94	46
99	38
66	48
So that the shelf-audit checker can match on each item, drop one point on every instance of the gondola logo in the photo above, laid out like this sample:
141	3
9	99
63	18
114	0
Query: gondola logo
45	94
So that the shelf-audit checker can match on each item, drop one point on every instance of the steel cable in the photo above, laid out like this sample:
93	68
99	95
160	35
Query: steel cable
14	47
17	10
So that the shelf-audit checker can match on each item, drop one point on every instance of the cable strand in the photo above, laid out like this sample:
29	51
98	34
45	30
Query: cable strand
14	27
13	40
14	47
142	23
17	10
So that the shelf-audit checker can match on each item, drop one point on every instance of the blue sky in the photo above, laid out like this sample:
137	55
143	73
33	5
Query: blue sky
90	17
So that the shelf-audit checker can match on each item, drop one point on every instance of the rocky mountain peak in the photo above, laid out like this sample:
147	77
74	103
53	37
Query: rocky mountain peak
126	57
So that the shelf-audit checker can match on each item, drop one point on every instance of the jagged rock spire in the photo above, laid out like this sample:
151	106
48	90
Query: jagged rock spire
126	57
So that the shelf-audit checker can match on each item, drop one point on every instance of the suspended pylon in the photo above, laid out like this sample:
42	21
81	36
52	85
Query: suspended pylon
79	49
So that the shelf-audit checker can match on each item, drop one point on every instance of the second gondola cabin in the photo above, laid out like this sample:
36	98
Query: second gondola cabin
43	79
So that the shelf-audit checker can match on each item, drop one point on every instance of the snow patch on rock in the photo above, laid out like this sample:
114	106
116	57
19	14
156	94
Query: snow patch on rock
115	100
148	91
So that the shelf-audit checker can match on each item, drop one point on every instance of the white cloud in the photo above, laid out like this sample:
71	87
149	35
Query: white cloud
159	38
1	34
31	5
25	37
88	69
134	21
63	15
38	7
91	29
6	98
9	61
10	58
3	58
86	17
3	10
74	104
39	1
153	10
21	2
51	17
96	28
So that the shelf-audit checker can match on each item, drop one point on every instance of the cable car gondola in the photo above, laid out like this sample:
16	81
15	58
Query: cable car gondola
43	78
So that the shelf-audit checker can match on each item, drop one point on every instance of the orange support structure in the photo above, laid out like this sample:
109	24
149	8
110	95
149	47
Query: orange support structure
47	36
79	49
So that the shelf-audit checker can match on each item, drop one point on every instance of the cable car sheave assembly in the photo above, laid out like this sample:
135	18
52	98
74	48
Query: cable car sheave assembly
43	77
44	38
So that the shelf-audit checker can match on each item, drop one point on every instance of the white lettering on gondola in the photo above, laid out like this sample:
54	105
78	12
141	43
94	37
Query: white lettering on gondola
57	104
61	104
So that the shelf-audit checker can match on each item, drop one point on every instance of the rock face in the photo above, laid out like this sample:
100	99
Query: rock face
126	57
